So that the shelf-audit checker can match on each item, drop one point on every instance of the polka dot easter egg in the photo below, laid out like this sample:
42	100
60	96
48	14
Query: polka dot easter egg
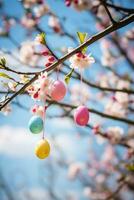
35	124
42	150
58	90
81	115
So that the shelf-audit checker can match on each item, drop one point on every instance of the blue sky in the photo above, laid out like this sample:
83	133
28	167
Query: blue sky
21	157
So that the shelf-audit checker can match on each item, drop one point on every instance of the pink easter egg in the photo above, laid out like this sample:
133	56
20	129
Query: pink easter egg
81	115
58	91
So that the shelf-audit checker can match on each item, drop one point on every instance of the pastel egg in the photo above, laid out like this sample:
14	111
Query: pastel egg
58	90
42	150
36	124
81	115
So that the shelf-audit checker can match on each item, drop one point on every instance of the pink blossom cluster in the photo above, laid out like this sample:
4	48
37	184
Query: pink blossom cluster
69	2
54	23
41	88
80	5
109	54
117	106
79	94
80	60
35	10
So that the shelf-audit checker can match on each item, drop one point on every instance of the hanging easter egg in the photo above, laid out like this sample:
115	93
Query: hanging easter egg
58	90
81	115
42	149
36	124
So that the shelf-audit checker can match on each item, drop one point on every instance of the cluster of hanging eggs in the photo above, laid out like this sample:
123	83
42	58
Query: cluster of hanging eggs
58	92
36	123
81	118
81	115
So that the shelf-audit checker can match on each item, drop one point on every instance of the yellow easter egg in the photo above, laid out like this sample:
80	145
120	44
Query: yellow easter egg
42	149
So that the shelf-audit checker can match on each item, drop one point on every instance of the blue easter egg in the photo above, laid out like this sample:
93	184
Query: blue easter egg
35	124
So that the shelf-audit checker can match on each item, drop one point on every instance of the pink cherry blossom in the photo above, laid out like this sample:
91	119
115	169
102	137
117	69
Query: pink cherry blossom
27	53
38	110
80	60
115	133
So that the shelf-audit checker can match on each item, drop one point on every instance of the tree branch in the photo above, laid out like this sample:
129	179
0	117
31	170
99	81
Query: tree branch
90	41
122	51
119	8
129	91
90	109
122	141
116	192
102	114
108	12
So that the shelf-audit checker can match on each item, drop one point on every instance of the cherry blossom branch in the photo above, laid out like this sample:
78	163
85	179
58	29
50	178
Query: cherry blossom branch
129	91
115	193
107	11
122	141
17	72
120	76
90	41
117	44
104	88
85	81
102	114
74	40
122	51
119	8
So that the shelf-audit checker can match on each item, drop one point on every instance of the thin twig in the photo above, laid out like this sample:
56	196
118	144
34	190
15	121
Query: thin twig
108	12
120	8
104	115
116	192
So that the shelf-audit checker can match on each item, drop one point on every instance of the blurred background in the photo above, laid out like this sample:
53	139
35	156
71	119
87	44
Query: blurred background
82	165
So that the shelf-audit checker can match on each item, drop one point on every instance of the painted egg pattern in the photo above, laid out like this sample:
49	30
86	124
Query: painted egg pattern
58	90
36	124
42	150
81	115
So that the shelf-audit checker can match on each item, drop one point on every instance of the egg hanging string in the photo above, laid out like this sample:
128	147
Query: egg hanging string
44	115
57	71
81	82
